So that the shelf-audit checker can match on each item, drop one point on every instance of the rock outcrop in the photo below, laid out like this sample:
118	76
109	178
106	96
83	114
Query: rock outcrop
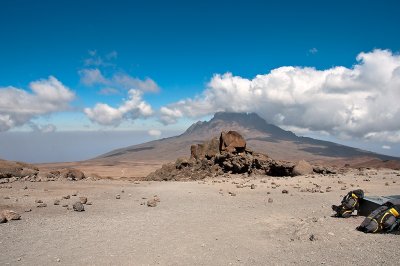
226	154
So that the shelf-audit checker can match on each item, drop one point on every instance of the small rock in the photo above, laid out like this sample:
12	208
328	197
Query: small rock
25	187
118	196
28	210
66	197
151	203
89	203
312	237
41	205
75	194
83	200
38	201
3	219
56	202
10	215
122	191
270	200
233	194
387	184
285	191
58	260
65	205
6	197
343	188
253	186
156	198
78	207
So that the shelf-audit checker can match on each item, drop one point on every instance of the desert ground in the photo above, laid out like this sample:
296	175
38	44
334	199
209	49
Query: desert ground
220	221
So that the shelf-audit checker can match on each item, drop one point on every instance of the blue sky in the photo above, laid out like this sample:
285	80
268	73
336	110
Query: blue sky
175	56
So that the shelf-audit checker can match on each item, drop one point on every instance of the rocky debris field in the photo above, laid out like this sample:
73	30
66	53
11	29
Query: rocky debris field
234	219
229	155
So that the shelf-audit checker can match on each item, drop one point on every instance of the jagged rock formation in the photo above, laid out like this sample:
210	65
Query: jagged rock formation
13	171
228	154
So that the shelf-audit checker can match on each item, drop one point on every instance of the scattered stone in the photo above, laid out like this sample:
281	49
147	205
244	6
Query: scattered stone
28	210
270	200
25	187
78	207
233	194
38	201
10	215
387	184
66	197
151	203
253	186
75	194
285	191
56	202
156	198
41	205
3	219
328	189
343	188
89	203
118	196
312	237
6	197
65	205
122	191
83	200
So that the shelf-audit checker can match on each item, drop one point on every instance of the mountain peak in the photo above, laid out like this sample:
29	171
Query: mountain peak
249	123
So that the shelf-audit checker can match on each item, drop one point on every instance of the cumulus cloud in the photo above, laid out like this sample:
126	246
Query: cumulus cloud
93	76
154	133
18	106
132	108
360	102
95	59
43	128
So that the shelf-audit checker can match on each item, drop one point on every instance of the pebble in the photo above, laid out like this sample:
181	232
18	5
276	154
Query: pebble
118	196
285	191
270	200
56	202
151	203
41	205
38	201
253	186
78	207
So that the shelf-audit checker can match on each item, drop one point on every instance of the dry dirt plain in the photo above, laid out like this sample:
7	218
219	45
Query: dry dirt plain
195	223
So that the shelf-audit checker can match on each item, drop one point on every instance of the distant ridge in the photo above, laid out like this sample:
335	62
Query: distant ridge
260	136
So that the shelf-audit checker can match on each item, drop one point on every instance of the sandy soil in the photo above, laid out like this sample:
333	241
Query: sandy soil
196	223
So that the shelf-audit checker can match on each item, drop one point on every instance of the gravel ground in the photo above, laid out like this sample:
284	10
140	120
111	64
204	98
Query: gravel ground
195	223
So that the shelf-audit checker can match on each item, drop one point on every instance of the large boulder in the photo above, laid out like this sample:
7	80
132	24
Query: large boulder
231	142
206	149
72	174
10	169
302	168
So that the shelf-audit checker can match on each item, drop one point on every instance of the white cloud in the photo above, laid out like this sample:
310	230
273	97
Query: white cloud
154	133
91	77
18	106
132	108
109	91
386	147
360	102
97	60
313	50
43	128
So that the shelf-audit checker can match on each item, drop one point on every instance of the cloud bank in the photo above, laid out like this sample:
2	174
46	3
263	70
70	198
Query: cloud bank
361	102
132	108
18	106
94	76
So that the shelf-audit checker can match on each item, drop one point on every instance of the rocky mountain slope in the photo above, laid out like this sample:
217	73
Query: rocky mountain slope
260	136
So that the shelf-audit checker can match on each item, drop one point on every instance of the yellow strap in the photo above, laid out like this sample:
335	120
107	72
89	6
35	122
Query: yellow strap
354	195
394	212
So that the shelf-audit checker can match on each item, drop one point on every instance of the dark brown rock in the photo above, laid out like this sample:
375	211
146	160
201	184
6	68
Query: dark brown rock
78	207
231	142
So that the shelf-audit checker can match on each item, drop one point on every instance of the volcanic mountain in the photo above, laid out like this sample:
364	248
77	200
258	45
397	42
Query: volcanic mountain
260	136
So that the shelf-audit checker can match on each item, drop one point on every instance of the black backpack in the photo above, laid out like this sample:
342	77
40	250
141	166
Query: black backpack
349	203
386	219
